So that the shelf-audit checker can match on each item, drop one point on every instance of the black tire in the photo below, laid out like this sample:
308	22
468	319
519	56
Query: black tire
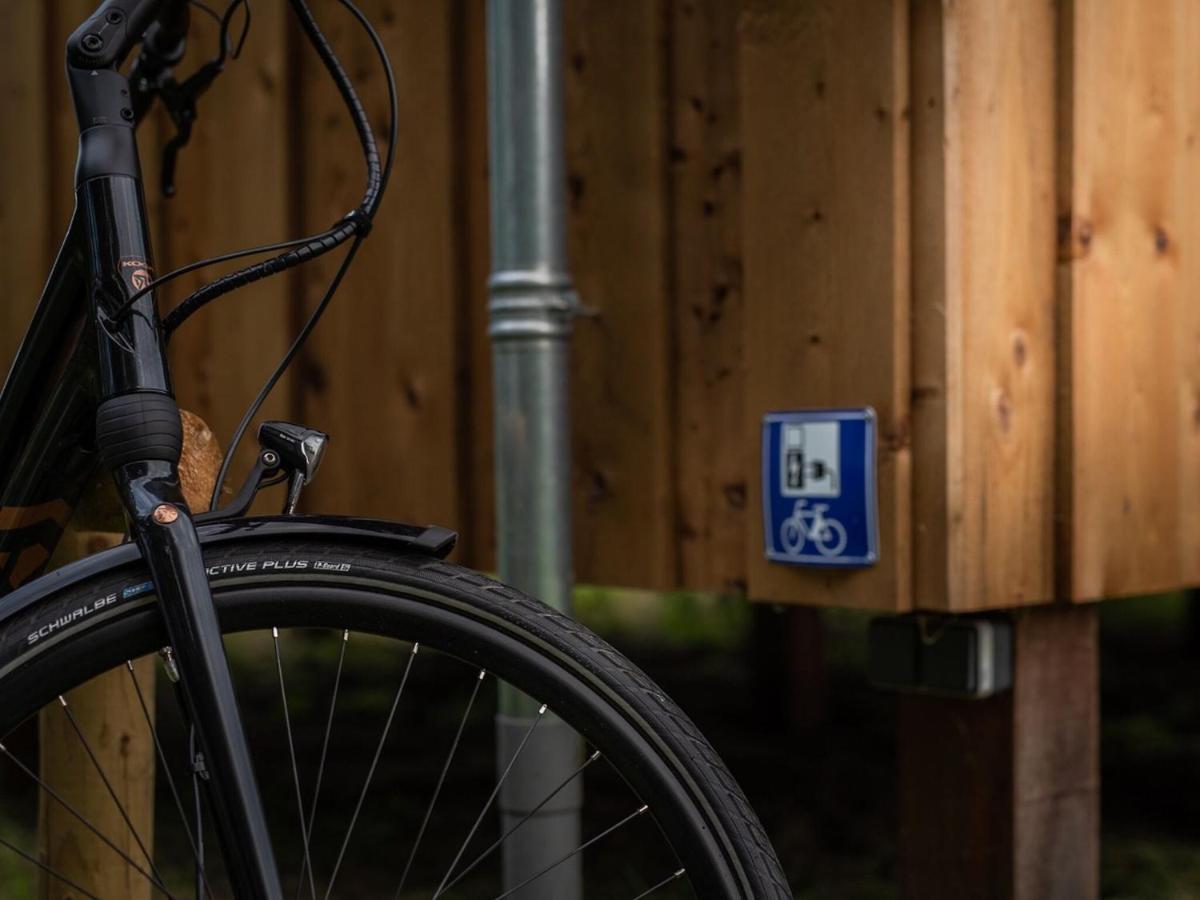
608	700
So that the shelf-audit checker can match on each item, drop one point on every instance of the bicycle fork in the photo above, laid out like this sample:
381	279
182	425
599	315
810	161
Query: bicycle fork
167	537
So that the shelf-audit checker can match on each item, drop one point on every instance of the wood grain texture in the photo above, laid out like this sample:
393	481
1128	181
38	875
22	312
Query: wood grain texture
706	272
999	798
983	258
955	790
110	718
1130	271
474	254
1056	754
381	372
109	715
749	214
63	150
233	188
617	189
825	133
25	204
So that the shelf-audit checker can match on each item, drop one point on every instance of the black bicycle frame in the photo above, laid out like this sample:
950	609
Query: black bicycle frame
91	386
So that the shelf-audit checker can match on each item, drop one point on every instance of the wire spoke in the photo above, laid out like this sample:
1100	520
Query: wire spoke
371	772
287	721
490	800
83	820
673	877
605	833
162	759
108	786
49	870
312	816
441	780
529	815
197	765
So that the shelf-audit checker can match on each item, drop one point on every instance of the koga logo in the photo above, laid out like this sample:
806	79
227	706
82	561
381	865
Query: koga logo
63	621
139	273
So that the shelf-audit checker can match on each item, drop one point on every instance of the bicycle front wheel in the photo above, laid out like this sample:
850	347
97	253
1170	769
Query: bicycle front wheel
382	775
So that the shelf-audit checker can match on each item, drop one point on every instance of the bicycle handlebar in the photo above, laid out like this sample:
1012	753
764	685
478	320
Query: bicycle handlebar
112	31
106	39
163	47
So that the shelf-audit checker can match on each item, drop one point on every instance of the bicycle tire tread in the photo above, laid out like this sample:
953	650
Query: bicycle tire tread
586	649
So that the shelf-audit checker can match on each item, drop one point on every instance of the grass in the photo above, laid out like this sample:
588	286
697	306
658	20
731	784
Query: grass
18	880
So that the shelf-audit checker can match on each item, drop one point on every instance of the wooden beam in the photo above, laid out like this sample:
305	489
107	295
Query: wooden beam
616	143
474	255
826	228
381	372
983	316
1130	266
1000	798
109	714
711	491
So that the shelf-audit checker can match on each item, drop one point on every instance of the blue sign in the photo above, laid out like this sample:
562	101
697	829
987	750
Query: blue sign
819	500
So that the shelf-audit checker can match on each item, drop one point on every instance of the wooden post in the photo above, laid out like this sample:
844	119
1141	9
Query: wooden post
786	656
110	716
1000	798
807	677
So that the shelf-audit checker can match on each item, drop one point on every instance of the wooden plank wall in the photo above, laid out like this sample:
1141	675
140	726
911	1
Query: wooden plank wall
827	268
25	212
983	323
773	204
381	373
1129	278
617	139
233	184
708	313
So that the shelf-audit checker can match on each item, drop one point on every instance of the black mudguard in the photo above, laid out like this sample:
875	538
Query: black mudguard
432	540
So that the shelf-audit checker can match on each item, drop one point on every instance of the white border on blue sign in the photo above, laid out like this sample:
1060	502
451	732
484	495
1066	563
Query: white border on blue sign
865	414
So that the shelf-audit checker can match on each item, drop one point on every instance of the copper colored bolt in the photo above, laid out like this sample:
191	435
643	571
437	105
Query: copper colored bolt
165	514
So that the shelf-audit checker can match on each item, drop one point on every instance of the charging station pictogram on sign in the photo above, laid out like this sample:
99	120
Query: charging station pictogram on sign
819	492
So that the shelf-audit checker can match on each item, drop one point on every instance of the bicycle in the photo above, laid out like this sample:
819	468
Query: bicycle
90	391
810	522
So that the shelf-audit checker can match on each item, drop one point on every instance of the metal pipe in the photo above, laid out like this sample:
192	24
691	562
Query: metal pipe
531	307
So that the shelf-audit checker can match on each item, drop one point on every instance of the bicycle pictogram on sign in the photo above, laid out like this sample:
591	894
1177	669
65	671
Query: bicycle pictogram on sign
819	487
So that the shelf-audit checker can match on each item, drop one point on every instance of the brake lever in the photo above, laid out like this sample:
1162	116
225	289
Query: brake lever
183	134
180	98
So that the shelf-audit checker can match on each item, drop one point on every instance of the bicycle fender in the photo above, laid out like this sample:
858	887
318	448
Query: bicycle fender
431	540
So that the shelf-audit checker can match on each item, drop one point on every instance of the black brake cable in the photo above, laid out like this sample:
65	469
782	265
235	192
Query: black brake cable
359	221
226	20
207	10
225	50
204	264
293	350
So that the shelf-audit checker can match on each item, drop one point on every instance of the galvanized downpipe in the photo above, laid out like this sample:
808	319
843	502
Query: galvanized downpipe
531	307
